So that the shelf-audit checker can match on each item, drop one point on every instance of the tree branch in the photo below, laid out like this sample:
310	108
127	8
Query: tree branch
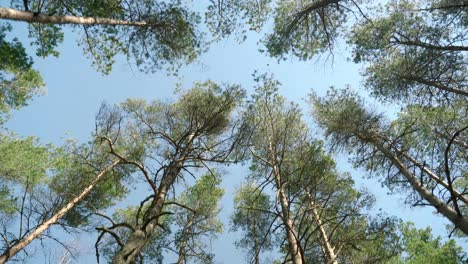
31	17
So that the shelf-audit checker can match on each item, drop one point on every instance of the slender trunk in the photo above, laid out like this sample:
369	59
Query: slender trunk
183	244
31	17
460	143
326	245
294	247
181	257
434	176
421	44
20	244
255	238
142	234
435	84
448	212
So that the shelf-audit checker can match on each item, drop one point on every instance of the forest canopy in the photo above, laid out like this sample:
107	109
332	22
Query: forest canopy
149	184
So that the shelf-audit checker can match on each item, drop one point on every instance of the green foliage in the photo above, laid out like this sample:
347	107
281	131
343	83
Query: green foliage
232	17
429	139
412	56
201	222
25	199
305	28
78	168
301	28
204	108
205	111
341	210
427	132
414	53
7	201
170	138
286	158
18	81
421	248
343	116
252	220
203	198
352	127
46	38
169	38
24	161
375	240
275	125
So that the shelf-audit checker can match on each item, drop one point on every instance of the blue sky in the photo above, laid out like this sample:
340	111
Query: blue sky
76	90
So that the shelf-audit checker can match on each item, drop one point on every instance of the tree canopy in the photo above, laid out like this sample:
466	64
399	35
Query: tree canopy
148	183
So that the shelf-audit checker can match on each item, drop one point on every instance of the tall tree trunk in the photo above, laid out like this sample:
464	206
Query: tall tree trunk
183	244
294	245
20	244
434	176
326	245
255	238
435	84
448	212
142	234
31	17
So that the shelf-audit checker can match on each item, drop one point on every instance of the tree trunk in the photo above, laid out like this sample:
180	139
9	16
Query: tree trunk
255	238
140	237
326	245
31	17
294	245
142	234
434	84
20	244
434	176
458	220
421	44
183	244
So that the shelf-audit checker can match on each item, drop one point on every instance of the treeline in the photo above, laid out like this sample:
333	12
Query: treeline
294	200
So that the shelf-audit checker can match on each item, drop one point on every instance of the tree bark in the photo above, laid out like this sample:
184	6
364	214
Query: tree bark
326	245
294	246
22	243
448	212
434	84
431	46
255	238
140	237
142	234
183	244
434	176
31	17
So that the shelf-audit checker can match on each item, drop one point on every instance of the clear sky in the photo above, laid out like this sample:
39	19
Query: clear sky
76	90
